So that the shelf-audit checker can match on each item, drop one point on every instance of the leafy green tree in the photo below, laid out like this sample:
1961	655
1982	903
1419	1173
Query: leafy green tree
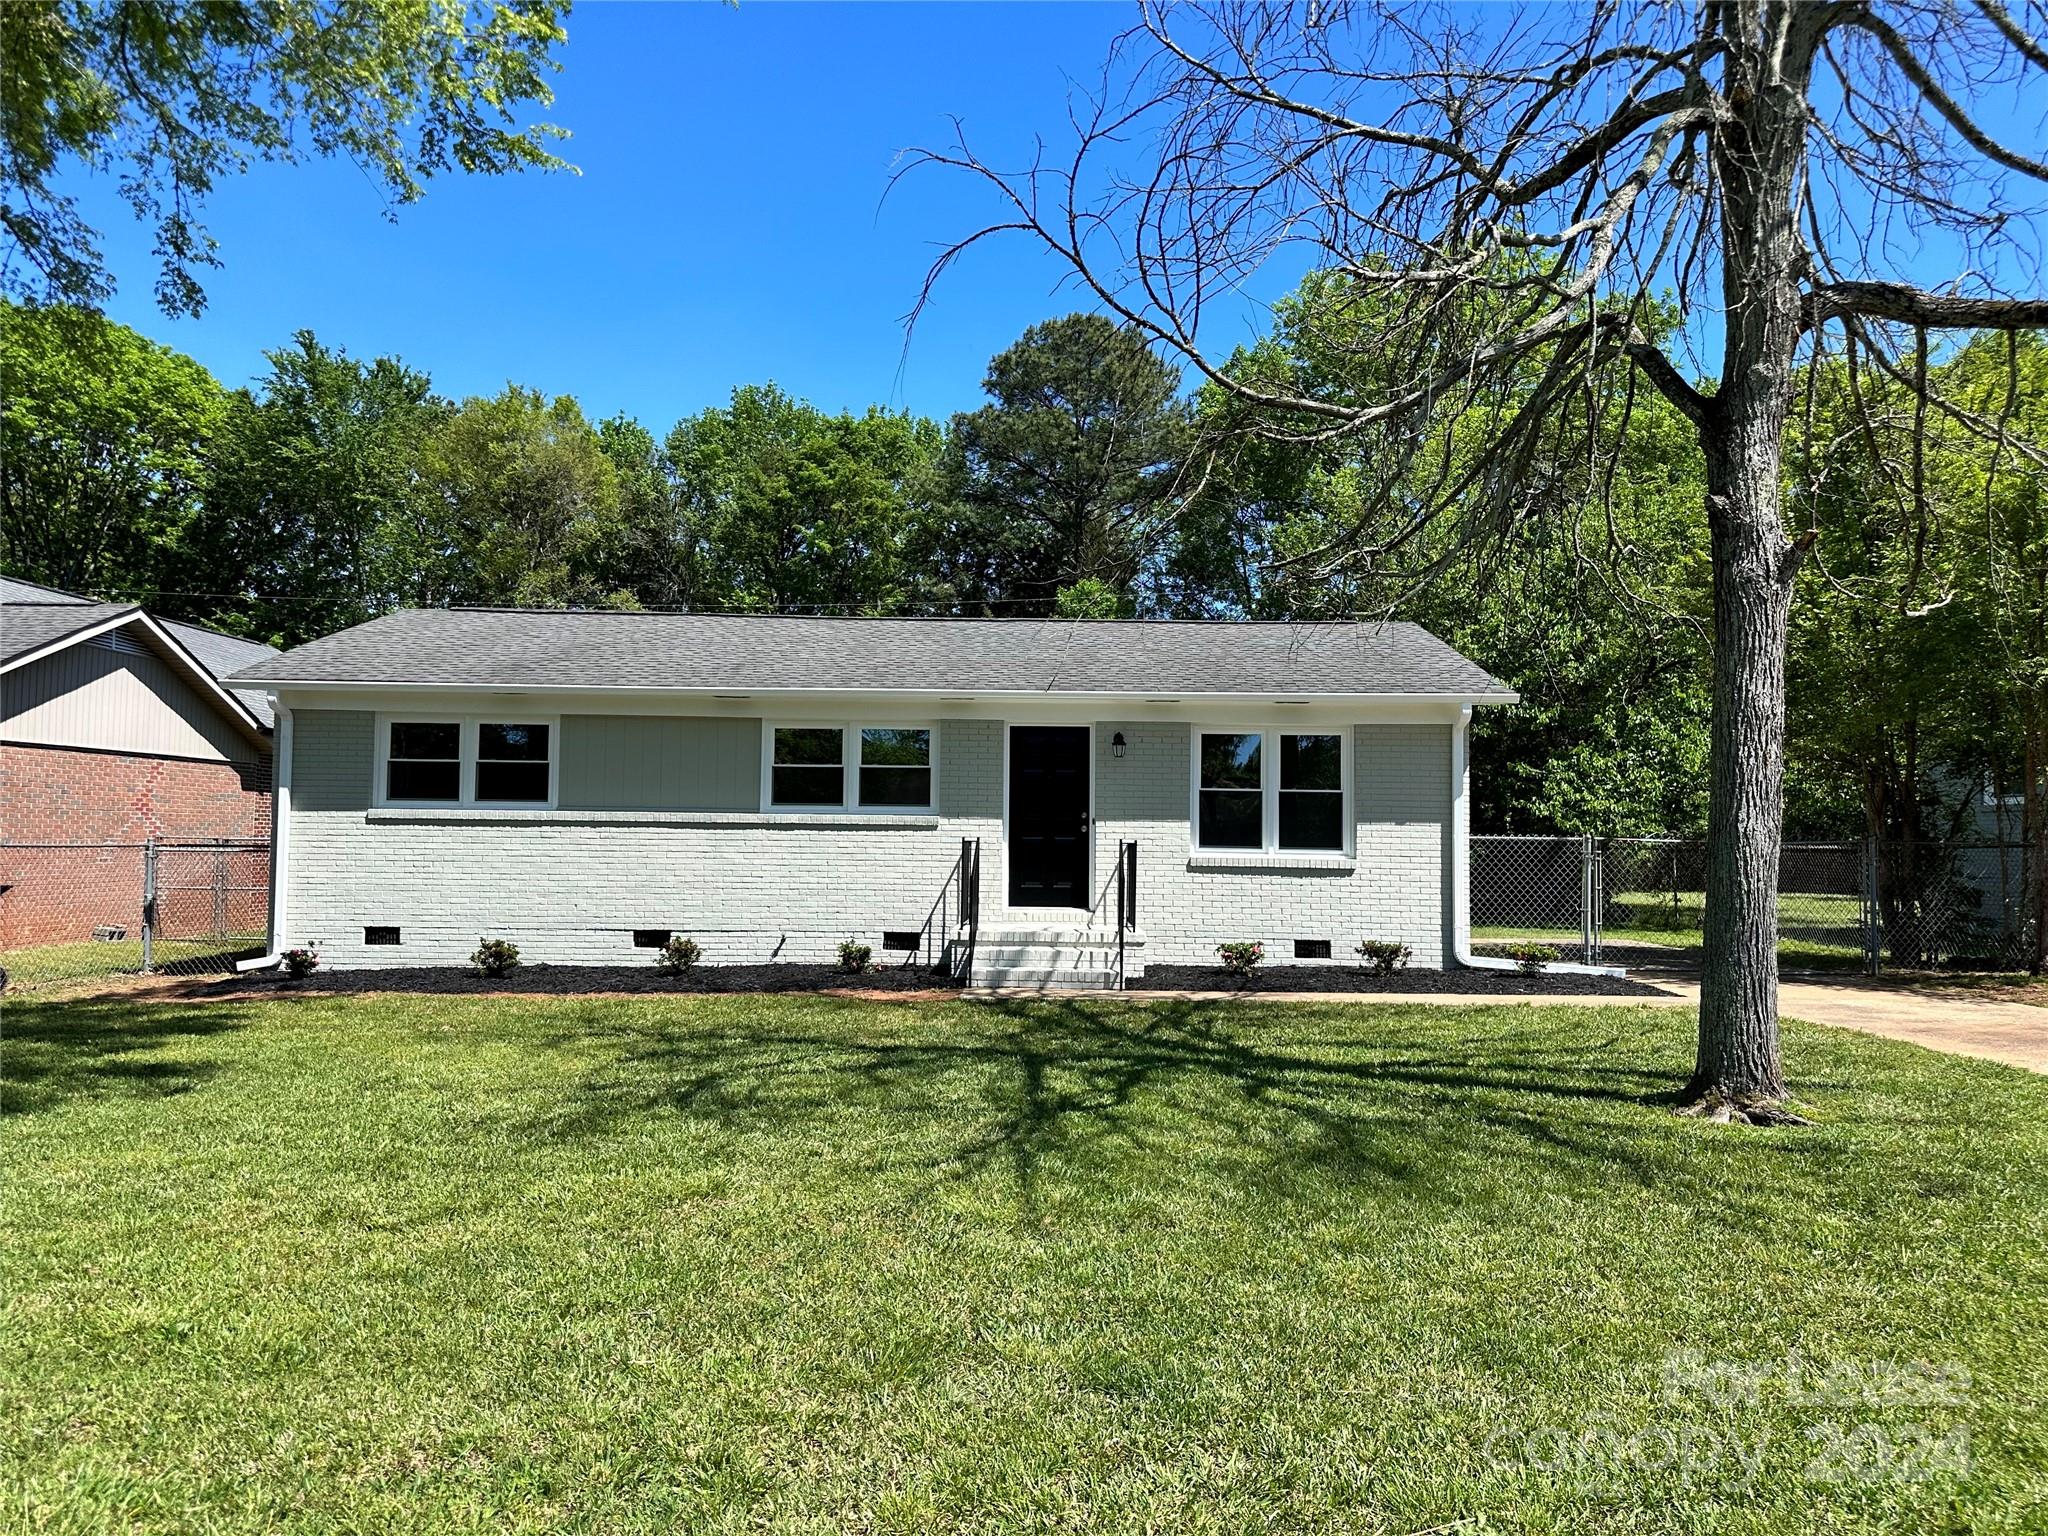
1584	601
517	501
306	476
103	444
172	97
652	555
1072	473
787	508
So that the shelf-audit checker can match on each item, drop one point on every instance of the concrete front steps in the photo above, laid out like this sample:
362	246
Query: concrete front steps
1040	959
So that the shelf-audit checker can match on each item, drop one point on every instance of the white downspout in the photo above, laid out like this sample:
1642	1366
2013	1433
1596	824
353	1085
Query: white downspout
1461	872
280	842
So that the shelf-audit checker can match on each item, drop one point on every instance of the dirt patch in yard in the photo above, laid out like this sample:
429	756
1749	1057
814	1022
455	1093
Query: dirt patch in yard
1339	978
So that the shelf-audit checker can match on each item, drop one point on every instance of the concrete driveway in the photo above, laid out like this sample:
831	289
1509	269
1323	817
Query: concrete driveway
1957	1022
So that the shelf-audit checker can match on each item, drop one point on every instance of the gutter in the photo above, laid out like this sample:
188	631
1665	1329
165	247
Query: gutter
1461	874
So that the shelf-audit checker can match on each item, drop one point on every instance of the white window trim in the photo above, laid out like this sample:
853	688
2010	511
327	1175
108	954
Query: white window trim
1269	790
849	766
467	724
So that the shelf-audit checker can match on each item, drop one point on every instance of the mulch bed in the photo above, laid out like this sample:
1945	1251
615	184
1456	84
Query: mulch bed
570	980
1340	978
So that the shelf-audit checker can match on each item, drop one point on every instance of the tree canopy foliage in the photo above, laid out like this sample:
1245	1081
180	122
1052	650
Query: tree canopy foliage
171	97
338	487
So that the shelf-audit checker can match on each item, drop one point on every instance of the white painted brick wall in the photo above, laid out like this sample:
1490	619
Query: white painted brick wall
570	891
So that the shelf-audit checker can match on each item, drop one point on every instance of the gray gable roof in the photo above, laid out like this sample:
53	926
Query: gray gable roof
28	626
14	590
221	654
745	653
32	616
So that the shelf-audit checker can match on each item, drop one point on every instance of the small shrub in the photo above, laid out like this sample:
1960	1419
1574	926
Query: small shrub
300	963
1383	957
679	955
1242	958
1531	958
855	958
495	957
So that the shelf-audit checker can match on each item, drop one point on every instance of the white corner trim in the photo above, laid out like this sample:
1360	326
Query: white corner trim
281	830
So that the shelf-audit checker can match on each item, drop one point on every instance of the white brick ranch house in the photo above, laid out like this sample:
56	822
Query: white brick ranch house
980	791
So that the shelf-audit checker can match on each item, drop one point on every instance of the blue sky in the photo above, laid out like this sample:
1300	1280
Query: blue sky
729	225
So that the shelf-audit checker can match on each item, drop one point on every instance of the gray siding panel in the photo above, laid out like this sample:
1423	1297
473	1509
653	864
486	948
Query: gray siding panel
331	759
659	763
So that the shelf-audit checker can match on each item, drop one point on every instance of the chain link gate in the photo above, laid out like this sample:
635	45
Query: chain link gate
75	913
1843	906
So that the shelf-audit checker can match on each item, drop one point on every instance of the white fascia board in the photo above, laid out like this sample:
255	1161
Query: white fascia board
944	702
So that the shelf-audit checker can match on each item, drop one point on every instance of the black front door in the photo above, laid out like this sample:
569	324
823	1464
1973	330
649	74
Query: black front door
1049	816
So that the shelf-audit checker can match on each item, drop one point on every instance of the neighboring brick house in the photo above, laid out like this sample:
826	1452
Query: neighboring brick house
584	783
115	729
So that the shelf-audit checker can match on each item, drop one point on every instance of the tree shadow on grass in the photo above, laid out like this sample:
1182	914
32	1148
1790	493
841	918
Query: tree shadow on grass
51	1053
1096	1091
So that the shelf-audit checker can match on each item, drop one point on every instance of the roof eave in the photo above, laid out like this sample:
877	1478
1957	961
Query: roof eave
1489	696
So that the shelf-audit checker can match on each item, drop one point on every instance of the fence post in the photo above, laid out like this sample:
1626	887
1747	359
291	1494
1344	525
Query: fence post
149	904
1586	899
1599	896
1873	914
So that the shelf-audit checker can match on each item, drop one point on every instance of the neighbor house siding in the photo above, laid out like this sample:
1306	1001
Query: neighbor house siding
107	696
659	762
1397	888
570	886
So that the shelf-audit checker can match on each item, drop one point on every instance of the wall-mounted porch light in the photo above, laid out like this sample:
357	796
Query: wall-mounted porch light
1116	744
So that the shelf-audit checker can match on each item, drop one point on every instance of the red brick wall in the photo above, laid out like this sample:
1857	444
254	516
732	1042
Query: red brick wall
58	795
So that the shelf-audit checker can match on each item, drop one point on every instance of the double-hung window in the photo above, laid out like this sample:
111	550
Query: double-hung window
466	761
1270	792
850	767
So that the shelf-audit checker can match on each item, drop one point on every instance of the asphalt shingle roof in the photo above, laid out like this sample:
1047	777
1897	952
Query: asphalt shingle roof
27	626
221	654
744	653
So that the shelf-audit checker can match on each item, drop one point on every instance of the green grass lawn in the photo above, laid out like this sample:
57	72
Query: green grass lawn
824	1265
64	965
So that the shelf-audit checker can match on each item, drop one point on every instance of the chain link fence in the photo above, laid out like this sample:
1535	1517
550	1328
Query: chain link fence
73	913
1842	906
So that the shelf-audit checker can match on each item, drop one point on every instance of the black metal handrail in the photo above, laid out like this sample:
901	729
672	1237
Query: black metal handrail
970	898
1126	904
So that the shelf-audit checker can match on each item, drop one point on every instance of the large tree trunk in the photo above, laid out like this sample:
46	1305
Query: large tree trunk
1760	161
1738	1063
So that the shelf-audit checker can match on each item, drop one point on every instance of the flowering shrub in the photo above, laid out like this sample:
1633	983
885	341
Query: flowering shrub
1531	958
855	957
1383	957
679	954
300	963
1241	959
495	957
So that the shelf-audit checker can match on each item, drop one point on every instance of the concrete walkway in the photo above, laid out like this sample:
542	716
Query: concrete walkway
1956	1022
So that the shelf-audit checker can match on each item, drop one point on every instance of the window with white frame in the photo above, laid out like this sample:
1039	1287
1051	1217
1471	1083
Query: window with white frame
1277	791
423	762
469	761
512	762
850	767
